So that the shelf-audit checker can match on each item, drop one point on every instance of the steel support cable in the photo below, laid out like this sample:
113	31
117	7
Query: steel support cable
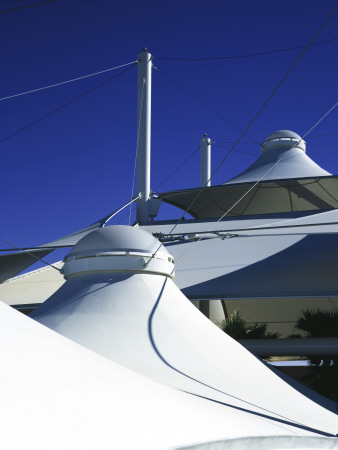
247	128
321	119
126	215
322	135
232	142
192	127
56	247
234	204
178	167
332	102
65	104
326	191
137	142
178	109
215	144
67	81
259	180
202	102
219	231
267	101
323	148
223	232
277	87
250	55
187	209
45	116
27	6
30	254
120	209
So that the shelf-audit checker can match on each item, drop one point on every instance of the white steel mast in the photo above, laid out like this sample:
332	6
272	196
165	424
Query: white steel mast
143	135
205	161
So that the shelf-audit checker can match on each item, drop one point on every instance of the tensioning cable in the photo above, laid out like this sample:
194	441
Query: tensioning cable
250	55
251	123
206	105
65	104
30	254
67	81
258	181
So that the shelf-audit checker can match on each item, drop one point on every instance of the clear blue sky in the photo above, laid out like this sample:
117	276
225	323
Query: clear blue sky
76	166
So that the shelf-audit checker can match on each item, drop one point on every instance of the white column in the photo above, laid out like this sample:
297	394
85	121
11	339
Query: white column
205	173
205	161
144	127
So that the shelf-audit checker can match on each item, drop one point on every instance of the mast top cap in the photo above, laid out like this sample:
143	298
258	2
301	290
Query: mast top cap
283	140
117	238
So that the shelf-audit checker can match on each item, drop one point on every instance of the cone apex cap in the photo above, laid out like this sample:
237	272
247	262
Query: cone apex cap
283	140
118	248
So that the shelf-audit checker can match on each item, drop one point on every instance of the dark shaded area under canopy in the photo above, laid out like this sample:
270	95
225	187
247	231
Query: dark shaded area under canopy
267	197
14	263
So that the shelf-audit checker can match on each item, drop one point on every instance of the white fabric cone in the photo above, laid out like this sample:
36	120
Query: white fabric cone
56	394
145	323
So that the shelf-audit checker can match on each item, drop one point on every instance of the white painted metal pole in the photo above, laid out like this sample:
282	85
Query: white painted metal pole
205	161
205	173
143	138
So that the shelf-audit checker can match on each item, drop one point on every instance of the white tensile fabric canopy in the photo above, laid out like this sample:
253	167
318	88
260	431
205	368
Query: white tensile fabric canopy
56	394
139	319
282	157
283	179
252	198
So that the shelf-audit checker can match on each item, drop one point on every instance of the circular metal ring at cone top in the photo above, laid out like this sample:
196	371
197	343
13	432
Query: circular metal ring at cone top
284	140
118	248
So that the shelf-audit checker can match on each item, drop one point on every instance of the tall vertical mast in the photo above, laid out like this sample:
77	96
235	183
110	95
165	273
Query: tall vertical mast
143	136
205	174
205	161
